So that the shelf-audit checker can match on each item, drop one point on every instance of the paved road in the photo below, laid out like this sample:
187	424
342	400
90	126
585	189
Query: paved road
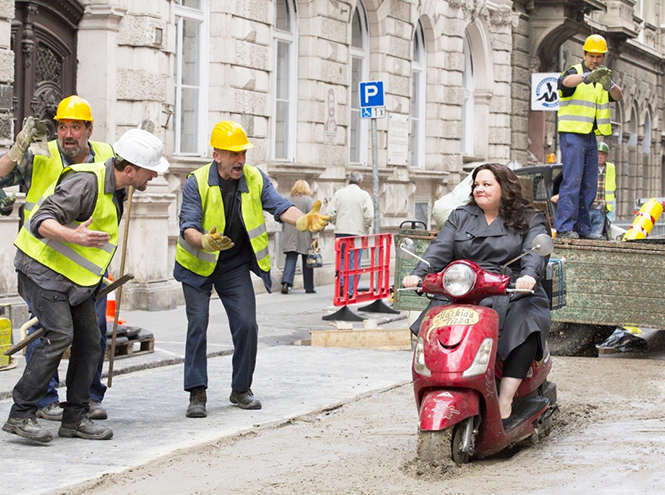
146	403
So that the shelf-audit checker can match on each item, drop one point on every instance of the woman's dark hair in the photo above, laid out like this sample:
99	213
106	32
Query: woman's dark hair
515	207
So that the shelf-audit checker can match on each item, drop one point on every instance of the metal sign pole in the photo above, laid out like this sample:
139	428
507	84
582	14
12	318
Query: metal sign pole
375	175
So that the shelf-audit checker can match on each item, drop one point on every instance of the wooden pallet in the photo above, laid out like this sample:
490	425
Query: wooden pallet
133	347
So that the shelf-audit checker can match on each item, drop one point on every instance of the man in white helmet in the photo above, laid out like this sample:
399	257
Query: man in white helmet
63	250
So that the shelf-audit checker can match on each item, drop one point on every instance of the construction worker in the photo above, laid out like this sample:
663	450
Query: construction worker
64	249
20	166
603	205
585	92
222	238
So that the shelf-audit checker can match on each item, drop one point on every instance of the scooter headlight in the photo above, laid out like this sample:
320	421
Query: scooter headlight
458	279
419	359
482	359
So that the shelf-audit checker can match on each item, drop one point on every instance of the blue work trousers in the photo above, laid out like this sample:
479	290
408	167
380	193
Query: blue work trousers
290	271
64	325
355	256
597	218
97	389
579	156
236	292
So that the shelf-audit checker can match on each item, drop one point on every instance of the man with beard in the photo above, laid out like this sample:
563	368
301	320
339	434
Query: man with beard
19	166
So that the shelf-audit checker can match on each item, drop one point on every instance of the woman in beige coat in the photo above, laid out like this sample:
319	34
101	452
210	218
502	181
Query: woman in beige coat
296	243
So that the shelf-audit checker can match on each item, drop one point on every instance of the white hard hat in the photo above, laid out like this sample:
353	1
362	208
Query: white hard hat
143	149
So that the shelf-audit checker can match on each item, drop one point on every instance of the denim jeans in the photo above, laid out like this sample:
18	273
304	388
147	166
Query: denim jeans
236	292
97	389
597	216
579	156
354	262
64	325
290	271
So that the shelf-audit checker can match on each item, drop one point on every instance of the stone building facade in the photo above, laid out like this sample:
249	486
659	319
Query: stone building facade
456	75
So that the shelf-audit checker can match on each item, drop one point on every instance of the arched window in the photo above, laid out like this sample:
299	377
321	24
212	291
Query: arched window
191	76
647	174
359	72
285	76
468	107
418	97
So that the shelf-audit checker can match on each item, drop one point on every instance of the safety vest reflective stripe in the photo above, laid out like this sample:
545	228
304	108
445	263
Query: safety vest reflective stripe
578	102
198	253
82	265
46	170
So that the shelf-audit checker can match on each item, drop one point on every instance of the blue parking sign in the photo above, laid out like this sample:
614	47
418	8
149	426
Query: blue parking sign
371	94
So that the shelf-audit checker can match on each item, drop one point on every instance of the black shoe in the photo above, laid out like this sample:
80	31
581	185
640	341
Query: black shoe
51	412
285	288
567	234
96	410
85	428
27	428
593	237
245	400
310	291
197	403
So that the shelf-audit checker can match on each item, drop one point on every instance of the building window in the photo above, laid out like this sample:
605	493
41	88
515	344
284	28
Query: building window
468	109
285	35
359	72
418	101
422	211
191	77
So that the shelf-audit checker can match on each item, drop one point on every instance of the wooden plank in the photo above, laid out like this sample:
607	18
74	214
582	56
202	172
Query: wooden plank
387	339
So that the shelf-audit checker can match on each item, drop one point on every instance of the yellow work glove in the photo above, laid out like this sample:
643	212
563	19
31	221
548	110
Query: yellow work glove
214	241
23	140
313	221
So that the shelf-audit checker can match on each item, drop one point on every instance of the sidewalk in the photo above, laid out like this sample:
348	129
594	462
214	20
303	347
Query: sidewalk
146	406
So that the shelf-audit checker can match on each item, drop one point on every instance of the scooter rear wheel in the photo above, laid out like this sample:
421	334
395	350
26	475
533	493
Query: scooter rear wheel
435	446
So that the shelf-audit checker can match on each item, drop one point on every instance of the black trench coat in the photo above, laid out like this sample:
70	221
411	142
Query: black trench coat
466	235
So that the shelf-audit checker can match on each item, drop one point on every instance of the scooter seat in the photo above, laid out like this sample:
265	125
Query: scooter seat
526	409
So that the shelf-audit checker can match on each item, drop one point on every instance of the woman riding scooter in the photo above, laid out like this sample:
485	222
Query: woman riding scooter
497	225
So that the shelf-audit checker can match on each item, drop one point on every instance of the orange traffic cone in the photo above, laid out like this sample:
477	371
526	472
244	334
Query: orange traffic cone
111	305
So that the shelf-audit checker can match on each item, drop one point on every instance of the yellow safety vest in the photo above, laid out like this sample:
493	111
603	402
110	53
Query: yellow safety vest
203	262
82	265
610	185
46	170
589	102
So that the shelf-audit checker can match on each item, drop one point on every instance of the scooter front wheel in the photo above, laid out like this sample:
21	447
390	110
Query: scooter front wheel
435	446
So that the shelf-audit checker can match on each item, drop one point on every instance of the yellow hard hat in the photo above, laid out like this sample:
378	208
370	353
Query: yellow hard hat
595	44
74	108
229	135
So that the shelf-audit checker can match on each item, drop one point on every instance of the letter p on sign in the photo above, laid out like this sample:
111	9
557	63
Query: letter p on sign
371	94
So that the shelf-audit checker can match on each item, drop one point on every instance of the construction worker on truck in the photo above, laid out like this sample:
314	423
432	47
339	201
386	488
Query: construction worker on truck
585	92
36	172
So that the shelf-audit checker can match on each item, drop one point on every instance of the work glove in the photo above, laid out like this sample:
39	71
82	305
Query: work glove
595	75
606	82
23	140
6	204
313	221
39	145
214	241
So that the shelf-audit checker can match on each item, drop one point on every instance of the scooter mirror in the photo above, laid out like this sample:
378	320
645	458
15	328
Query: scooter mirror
406	248
542	245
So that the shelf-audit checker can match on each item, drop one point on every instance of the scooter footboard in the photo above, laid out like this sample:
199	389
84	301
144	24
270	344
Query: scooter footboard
441	409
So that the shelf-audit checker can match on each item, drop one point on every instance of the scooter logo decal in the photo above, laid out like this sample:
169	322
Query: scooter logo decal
453	316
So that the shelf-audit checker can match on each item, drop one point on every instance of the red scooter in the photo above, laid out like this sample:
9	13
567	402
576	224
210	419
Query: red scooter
456	375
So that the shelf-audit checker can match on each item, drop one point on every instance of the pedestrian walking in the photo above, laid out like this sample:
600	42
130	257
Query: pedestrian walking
296	243
223	238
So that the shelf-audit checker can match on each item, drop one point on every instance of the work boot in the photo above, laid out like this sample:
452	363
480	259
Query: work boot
245	400
567	234
27	428
85	428
51	412
197	403
96	410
